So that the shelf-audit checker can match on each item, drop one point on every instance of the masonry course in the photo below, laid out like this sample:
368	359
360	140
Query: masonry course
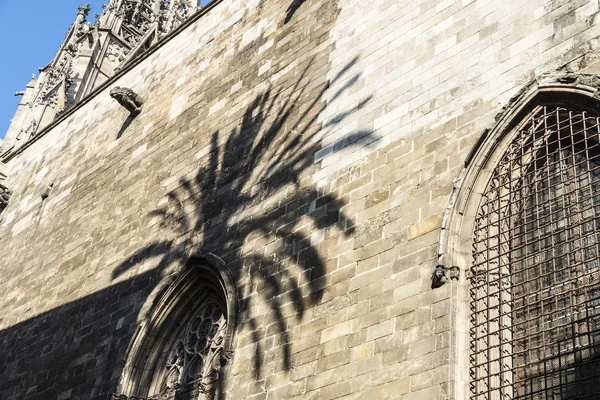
316	157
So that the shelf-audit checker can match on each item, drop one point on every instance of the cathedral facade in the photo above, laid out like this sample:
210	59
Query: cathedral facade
306	199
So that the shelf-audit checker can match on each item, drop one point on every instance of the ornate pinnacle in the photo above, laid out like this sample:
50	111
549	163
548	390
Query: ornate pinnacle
85	9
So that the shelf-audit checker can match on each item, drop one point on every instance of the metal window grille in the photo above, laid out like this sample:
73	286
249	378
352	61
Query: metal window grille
535	284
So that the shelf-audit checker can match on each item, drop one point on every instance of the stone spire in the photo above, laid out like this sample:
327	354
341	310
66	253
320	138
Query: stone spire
91	54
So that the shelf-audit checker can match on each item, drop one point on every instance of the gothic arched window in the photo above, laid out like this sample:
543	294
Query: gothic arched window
194	360
535	280
181	348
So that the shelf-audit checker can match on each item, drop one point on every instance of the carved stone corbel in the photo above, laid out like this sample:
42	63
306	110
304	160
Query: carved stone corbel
128	99
454	273
438	278
441	275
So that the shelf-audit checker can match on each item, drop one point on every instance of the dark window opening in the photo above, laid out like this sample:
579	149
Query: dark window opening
535	283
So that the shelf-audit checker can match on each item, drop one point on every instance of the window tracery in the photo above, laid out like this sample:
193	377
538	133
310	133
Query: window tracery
181	349
535	280
195	359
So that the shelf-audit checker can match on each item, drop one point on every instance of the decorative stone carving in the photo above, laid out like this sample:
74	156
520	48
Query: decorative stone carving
128	99
26	133
111	6
72	49
441	275
57	83
115	52
80	25
138	18
31	129
438	278
5	194
454	273
197	356
114	396
175	13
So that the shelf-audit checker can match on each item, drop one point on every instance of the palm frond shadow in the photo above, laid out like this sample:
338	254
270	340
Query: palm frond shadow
228	204
291	10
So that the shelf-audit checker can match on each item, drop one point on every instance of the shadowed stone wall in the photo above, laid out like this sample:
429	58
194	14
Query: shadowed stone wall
312	145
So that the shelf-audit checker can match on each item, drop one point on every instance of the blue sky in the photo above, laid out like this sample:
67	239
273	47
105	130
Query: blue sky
30	35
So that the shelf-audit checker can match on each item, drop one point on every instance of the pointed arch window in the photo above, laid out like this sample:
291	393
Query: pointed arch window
180	351
535	282
194	361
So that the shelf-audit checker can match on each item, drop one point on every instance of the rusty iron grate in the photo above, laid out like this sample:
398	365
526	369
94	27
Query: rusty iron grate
535	284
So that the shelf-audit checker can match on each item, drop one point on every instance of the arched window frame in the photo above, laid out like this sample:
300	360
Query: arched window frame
576	91
175	304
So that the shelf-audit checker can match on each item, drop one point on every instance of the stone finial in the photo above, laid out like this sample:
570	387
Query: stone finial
128	99
85	9
5	194
80	22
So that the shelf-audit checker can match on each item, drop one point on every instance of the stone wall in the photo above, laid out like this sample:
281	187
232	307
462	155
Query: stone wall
313	146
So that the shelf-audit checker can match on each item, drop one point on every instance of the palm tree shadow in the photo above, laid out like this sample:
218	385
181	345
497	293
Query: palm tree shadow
268	156
291	10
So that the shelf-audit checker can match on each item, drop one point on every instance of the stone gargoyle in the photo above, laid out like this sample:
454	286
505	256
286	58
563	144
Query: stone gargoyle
5	194
128	99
